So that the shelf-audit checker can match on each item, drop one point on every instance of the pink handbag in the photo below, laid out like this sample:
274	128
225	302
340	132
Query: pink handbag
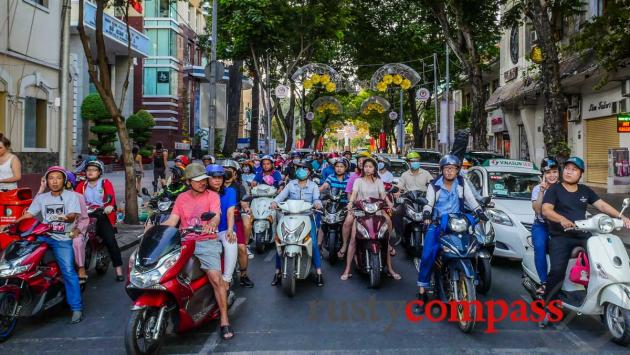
580	271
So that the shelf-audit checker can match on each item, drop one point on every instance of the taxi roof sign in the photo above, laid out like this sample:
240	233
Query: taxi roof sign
509	163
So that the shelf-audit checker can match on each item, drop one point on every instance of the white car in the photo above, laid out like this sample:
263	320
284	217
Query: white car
510	183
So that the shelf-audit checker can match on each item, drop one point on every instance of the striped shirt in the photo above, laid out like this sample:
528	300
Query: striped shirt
335	183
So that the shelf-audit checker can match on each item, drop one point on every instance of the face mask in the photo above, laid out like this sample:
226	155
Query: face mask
228	175
301	174
415	165
296	161
246	169
381	166
256	163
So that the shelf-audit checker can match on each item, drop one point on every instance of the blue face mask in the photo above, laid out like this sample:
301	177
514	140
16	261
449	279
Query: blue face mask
301	174
415	165
381	166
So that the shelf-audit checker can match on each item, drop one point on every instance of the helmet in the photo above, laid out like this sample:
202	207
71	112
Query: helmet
206	157
343	161
364	155
96	163
196	172
333	155
72	179
229	163
267	157
577	162
182	159
413	155
215	170
549	163
449	159
466	164
57	168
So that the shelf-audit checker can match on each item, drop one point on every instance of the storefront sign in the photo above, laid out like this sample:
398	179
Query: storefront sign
506	163
623	123
497	121
510	74
182	146
600	104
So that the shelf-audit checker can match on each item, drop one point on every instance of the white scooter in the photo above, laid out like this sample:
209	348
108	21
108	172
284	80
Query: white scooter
264	216
294	244
608	291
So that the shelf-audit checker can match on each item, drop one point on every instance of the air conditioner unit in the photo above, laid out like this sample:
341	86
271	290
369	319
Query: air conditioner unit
625	88
574	114
574	101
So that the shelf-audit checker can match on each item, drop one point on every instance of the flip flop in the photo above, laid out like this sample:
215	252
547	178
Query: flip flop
392	251
394	276
82	280
344	277
225	330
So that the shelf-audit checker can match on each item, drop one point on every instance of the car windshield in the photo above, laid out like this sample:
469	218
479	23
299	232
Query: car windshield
512	185
430	157
398	167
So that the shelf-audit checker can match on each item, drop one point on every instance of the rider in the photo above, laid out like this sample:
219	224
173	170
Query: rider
384	173
188	207
414	179
318	163
306	190
348	155
329	169
563	204
257	163
448	194
540	231
267	170
99	191
60	208
289	171
78	234
242	219
207	160
349	222
338	180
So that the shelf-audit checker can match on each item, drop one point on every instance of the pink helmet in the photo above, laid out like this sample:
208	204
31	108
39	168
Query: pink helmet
268	179
58	169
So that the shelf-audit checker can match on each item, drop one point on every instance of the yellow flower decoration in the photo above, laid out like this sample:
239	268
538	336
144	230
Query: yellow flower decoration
406	84
387	79
397	79
307	84
330	87
381	86
324	79
315	78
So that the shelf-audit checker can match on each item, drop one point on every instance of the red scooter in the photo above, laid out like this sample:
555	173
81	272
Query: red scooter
96	254
30	279
169	290
372	239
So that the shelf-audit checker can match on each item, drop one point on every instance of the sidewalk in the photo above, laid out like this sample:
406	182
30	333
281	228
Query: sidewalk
614	200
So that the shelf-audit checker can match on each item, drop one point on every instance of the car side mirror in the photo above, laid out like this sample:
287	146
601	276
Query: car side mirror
206	216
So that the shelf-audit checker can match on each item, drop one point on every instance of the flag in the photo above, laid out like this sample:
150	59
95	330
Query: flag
136	4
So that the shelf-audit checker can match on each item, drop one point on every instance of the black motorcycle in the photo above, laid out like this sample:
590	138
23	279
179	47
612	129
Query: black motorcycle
412	228
161	207
332	223
484	232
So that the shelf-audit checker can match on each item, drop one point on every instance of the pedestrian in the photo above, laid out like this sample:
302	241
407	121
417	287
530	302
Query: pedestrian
10	166
160	162
137	168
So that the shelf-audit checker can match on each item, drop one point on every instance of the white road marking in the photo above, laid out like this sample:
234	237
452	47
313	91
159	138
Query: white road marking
214	338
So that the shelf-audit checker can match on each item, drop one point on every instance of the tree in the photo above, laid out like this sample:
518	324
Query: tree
547	19
234	108
471	29
140	126
100	73
93	109
253	133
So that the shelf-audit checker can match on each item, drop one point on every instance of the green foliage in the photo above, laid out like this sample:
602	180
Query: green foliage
145	152
462	118
93	109
140	126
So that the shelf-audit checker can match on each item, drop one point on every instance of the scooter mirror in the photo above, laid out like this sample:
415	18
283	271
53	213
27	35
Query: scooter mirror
145	191
626	202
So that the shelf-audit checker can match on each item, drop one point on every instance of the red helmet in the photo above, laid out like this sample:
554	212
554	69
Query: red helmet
182	159
333	155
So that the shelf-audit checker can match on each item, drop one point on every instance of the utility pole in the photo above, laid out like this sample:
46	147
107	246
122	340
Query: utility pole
213	81
435	98
401	126
268	107
63	84
448	109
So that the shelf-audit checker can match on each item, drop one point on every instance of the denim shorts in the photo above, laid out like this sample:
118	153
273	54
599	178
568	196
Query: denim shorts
209	254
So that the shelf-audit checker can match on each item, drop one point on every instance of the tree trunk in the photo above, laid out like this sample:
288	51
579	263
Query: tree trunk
308	134
554	130
478	117
234	108
101	80
289	119
253	133
415	119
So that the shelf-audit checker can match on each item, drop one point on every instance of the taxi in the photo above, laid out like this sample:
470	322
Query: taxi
510	183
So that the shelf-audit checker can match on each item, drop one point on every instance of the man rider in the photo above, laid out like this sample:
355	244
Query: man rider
207	159
189	206
448	194
289	171
318	163
383	171
563	204
414	179
348	155
267	170
329	169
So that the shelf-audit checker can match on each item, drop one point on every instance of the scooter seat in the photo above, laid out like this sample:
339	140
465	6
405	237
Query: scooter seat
576	251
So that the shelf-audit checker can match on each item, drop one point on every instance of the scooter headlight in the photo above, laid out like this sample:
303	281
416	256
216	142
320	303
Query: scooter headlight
163	206
362	231
457	225
413	215
8	269
382	231
292	236
605	224
151	278
500	217
370	208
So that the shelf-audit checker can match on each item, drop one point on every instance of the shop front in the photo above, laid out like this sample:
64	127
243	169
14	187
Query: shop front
501	141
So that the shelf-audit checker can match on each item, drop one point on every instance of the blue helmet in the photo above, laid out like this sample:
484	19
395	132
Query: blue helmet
215	170
577	162
450	159
549	163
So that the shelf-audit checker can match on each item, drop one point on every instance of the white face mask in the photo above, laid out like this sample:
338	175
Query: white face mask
381	166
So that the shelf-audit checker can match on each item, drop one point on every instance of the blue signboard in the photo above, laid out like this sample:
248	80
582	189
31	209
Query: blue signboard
116	29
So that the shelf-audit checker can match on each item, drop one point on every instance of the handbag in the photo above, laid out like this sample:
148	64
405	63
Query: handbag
580	271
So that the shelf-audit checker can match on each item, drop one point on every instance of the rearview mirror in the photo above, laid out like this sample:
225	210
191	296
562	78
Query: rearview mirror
626	202
206	216
145	191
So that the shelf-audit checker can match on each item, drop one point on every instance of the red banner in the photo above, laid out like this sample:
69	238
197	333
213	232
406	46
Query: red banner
372	144
299	144
382	141
320	144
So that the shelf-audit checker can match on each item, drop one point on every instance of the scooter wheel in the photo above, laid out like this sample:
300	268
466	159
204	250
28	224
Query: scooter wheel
485	276
7	323
617	321
288	283
139	332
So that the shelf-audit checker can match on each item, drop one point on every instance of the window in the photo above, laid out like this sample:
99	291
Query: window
475	181
163	42
35	111
160	81
159	8
39	3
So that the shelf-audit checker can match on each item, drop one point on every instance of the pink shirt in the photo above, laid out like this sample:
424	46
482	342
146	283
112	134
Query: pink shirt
83	221
353	177
188	207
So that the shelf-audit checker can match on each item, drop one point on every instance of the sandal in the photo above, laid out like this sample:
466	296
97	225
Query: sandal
82	280
392	251
341	254
225	330
394	276
344	277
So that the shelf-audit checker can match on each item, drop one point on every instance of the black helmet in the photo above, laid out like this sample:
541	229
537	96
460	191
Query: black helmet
549	163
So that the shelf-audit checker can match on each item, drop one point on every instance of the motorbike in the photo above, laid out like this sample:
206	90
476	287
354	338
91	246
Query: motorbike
96	254
372	239
454	275
30	278
169	290
161	206
332	224
484	232
412	224
293	243
608	291
13	204
264	217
